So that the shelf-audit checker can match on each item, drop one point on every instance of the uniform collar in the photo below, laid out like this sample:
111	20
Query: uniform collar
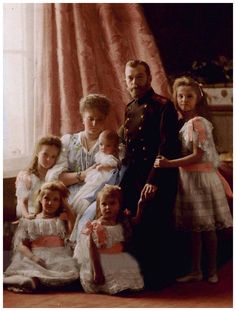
145	98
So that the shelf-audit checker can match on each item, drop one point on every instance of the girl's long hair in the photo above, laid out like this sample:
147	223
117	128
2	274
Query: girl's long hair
48	141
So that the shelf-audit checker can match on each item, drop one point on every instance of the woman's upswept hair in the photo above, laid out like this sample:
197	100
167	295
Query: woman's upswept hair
109	191
48	141
202	106
52	186
95	101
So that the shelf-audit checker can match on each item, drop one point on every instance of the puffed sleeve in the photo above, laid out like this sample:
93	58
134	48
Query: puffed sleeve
62	162
198	131
23	185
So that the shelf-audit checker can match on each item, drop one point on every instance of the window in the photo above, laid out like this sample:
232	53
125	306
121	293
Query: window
18	86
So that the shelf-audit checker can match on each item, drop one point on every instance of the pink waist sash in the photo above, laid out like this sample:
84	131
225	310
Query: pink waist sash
208	167
198	167
47	241
116	248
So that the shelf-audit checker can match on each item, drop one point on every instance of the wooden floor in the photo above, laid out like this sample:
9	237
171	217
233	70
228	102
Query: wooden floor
191	295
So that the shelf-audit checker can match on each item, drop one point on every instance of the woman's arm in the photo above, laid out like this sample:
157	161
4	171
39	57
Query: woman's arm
193	158
71	178
98	276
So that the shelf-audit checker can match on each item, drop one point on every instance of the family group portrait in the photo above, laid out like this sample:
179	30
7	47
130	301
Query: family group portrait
117	155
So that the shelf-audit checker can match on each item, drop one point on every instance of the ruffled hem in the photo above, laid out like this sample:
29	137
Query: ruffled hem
203	228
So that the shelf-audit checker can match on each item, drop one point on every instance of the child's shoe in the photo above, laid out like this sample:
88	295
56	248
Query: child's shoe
213	278
191	277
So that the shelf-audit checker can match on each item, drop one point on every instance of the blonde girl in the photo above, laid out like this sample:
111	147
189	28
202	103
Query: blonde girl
29	181
41	256
201	205
104	265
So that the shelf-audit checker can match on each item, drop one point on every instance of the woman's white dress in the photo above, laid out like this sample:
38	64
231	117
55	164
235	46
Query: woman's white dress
61	268
22	192
201	203
73	158
121	270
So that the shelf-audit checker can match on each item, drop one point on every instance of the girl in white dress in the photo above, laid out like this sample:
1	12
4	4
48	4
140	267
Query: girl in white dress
201	205
107	160
104	265
41	255
29	181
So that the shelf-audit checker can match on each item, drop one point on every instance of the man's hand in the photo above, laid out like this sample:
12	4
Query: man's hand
148	192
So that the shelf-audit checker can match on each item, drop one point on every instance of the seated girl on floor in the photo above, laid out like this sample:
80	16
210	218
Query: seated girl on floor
104	265
41	256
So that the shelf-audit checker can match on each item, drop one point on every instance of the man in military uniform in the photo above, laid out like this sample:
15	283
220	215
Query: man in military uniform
150	129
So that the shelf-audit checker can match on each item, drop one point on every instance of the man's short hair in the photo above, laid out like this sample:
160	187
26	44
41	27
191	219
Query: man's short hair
136	62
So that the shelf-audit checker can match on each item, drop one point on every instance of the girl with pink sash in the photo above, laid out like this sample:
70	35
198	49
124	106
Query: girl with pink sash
201	204
41	254
104	264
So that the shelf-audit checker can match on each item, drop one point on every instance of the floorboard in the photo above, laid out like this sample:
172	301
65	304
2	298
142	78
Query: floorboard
191	295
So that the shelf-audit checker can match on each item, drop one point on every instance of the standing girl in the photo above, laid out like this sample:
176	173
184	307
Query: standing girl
41	255
29	181
104	266
201	205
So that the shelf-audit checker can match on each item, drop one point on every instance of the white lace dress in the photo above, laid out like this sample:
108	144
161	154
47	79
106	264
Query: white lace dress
23	193
121	270
201	203
61	268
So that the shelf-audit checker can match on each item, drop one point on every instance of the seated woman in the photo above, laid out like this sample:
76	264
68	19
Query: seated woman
79	150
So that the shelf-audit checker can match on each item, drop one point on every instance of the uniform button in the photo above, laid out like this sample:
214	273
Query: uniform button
144	148
140	127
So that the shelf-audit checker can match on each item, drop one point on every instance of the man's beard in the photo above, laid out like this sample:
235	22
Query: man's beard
139	92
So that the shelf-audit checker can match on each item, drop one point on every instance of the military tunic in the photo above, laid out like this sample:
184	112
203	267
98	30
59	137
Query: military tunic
151	129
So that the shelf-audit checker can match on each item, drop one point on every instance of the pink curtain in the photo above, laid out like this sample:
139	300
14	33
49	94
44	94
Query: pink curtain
82	49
